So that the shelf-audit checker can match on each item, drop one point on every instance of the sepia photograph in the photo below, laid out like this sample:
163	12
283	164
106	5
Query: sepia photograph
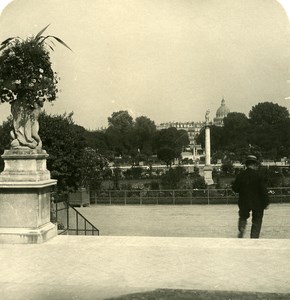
145	149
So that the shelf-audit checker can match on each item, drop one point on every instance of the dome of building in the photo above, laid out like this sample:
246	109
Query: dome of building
221	113
223	110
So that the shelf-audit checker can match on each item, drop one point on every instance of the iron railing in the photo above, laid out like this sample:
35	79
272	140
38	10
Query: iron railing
69	220
88	228
175	197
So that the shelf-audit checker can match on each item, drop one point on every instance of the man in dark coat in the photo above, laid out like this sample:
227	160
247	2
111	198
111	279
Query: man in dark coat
253	197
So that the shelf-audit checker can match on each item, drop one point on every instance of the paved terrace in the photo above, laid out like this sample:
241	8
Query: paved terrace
88	267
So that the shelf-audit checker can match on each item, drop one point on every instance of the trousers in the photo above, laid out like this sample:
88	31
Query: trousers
257	219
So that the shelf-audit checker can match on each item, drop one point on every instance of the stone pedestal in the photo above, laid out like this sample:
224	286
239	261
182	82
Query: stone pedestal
25	187
207	173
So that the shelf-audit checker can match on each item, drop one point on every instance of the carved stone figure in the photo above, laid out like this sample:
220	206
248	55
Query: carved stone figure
25	125
207	116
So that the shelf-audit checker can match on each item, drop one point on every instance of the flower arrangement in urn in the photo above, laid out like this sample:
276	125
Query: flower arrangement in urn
26	82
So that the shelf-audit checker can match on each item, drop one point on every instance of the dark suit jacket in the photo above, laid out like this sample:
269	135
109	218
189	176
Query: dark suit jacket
252	190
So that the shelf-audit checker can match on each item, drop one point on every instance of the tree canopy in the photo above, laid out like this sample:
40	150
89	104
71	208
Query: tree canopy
64	142
169	143
268	113
119	132
143	133
266	133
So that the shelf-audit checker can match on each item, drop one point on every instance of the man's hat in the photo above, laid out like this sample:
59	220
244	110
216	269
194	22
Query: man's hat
251	159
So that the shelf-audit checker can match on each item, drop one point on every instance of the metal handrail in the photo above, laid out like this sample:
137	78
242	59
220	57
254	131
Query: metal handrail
93	230
68	229
60	225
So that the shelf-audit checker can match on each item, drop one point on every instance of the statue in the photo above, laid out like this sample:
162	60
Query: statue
25	123
207	116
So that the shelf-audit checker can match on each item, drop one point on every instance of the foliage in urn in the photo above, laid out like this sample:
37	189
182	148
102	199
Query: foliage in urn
26	73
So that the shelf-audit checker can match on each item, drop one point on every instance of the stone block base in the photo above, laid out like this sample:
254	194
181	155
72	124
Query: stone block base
25	187
25	165
207	173
28	235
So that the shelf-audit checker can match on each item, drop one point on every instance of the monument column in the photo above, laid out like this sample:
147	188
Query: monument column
207	146
207	171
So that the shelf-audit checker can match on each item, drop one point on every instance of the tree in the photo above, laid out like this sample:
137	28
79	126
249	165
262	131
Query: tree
64	143
91	166
182	140
166	154
136	172
282	131
173	177
269	131
229	139
216	138
268	113
119	132
235	131
265	134
121	121
5	138
243	152
198	182
117	175
169	143
200	139
144	131
97	140
227	168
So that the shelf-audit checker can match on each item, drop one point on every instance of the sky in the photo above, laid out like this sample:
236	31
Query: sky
169	60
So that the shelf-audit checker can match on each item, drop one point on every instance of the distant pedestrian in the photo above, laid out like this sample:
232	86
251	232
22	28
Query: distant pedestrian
253	197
